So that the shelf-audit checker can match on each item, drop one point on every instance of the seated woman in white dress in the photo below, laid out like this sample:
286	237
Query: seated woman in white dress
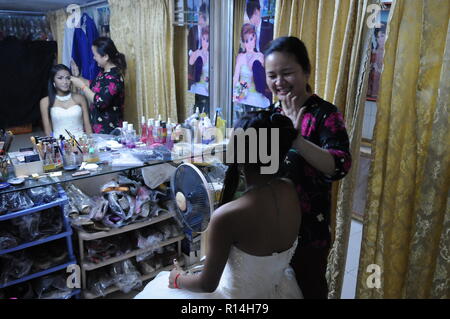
62	110
244	89
252	239
200	59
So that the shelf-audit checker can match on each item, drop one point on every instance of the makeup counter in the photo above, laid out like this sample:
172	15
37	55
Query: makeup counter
85	216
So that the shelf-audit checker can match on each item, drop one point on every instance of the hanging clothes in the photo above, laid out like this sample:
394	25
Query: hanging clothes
82	44
68	45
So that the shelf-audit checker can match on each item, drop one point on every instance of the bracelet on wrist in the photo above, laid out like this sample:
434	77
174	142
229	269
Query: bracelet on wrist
175	284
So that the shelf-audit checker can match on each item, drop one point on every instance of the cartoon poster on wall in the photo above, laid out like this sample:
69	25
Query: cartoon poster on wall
198	47
249	79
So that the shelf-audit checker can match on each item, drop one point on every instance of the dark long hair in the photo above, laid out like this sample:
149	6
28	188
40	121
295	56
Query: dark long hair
257	120
106	46
50	87
296	48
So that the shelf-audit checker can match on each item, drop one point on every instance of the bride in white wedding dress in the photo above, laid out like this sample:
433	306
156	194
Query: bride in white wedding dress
252	239
62	110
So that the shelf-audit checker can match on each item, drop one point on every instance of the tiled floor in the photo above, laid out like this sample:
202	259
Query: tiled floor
351	266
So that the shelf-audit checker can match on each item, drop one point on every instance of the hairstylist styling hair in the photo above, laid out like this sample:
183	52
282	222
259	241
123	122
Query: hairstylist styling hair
320	155
106	94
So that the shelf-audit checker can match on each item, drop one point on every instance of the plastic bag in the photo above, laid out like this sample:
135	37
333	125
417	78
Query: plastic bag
50	286
42	195
81	201
131	184
143	202
15	201
149	238
51	223
125	276
7	240
99	209
121	204
14	266
28	226
101	284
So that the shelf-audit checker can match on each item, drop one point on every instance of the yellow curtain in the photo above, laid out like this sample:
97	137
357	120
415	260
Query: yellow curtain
407	219
185	99
57	20
238	20
337	39
142	30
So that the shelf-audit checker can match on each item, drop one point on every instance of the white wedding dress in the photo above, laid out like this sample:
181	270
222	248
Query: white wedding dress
250	96
202	87
245	277
70	119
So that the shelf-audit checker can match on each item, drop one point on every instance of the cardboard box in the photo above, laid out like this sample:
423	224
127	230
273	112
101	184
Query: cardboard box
25	169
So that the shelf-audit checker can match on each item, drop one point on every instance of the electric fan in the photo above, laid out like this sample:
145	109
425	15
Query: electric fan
197	192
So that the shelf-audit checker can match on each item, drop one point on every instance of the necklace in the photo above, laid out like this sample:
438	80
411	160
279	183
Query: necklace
64	98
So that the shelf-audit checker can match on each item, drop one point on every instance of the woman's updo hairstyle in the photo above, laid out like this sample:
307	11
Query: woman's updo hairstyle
106	46
258	120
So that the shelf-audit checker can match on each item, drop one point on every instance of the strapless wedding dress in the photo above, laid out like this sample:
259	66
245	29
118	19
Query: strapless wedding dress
245	277
70	119
251	96
202	87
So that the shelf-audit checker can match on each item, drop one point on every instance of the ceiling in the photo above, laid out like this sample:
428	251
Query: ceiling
38	5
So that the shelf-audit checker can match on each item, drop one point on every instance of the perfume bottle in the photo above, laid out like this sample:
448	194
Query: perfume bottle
143	130
150	124
131	137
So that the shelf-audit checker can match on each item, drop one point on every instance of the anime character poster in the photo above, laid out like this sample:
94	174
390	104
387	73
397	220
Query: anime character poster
249	79
198	47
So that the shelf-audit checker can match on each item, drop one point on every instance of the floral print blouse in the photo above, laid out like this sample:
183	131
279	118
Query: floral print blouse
324	126
106	112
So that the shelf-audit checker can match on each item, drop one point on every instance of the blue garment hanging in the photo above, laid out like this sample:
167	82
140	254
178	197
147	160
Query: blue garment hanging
82	44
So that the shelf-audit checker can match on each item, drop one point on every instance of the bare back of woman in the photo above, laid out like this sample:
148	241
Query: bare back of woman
267	218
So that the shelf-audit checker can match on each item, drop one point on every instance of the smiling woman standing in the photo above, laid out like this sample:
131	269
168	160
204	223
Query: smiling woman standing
106	94
319	156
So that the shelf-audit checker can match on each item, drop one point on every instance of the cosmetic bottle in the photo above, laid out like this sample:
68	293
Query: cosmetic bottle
143	130
150	124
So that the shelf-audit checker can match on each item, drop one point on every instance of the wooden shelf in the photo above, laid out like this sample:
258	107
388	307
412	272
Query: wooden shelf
102	234
92	266
90	295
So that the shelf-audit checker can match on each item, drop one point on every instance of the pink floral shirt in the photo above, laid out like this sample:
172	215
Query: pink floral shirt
106	112
324	126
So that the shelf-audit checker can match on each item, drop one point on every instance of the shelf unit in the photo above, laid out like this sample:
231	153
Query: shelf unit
88	266
67	234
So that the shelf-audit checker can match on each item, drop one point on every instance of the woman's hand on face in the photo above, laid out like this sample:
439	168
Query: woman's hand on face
77	82
290	108
293	111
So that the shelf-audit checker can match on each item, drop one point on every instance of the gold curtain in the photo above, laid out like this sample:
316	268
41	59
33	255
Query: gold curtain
337	39
185	99
57	20
238	20
407	219
142	30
